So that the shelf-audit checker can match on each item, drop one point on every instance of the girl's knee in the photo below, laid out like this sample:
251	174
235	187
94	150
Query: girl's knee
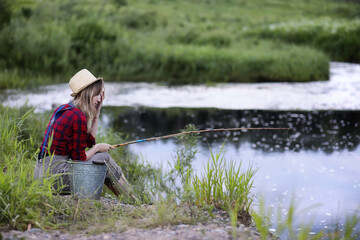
101	156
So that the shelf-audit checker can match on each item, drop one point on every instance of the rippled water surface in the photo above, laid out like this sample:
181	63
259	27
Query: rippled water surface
317	159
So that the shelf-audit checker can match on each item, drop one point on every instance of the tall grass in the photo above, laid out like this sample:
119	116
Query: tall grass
224	186
175	42
289	228
23	201
27	202
338	38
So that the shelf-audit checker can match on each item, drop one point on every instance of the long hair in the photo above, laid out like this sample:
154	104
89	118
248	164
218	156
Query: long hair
83	100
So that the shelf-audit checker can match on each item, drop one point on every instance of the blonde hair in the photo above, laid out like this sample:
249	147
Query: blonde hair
83	100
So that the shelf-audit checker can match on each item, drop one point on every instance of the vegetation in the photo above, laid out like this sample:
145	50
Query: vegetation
338	39
175	42
224	186
286	227
24	202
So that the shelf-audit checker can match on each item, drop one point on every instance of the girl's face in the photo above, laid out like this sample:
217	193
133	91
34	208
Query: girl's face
97	99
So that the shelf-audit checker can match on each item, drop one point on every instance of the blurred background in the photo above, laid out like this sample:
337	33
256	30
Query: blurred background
176	42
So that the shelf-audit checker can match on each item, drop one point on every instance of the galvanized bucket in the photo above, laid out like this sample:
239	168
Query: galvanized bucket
87	179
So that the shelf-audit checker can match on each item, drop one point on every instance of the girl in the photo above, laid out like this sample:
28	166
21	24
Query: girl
72	129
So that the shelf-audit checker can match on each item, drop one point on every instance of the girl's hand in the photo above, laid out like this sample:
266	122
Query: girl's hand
103	147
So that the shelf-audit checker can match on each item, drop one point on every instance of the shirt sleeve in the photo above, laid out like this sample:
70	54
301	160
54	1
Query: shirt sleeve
79	138
90	140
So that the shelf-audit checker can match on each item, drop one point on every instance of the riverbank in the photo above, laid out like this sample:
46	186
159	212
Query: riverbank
175	43
27	202
180	232
216	227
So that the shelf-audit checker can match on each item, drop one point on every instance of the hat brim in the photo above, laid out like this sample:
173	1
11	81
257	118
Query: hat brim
83	87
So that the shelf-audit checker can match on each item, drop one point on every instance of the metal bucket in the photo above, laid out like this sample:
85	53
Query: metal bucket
87	179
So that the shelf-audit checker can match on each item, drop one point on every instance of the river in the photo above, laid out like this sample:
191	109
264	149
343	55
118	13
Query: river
317	161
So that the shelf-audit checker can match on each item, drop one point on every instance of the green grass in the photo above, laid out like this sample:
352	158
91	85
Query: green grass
287	228
22	202
223	185
172	42
338	38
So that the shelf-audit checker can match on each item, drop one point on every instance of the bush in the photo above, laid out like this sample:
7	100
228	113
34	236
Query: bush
183	64
197	37
339	39
92	41
5	12
39	48
138	19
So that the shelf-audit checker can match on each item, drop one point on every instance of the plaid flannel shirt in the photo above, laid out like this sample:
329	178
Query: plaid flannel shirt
70	137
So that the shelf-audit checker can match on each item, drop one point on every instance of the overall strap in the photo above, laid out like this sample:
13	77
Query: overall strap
56	115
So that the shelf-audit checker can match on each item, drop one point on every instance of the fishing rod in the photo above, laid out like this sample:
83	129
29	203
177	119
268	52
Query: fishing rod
195	132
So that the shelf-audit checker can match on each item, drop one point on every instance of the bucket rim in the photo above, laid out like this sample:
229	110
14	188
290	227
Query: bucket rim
80	162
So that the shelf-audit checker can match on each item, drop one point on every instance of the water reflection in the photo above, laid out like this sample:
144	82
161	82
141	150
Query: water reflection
326	131
317	160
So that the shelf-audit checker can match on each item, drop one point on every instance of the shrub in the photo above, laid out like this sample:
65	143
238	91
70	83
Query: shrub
41	48
92	42
5	12
198	37
179	64
138	19
338	38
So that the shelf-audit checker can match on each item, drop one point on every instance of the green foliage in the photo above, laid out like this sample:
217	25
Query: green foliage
261	219
225	187
138	19
120	3
26	201
41	48
5	12
9	8
179	177
181	64
91	42
136	172
338	38
197	37
286	227
175	42
23	201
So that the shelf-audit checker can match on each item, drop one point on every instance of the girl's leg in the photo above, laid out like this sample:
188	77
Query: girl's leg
55	165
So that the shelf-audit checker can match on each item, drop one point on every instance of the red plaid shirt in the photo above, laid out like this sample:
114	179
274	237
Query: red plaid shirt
70	135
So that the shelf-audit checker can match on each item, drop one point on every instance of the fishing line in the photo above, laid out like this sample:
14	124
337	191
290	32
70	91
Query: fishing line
194	132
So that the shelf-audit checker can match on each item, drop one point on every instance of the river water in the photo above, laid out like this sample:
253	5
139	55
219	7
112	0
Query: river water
317	160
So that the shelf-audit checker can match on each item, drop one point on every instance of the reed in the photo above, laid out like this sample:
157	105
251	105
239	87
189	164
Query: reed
224	186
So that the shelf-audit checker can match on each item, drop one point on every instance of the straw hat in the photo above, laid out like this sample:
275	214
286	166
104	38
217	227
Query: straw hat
81	80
